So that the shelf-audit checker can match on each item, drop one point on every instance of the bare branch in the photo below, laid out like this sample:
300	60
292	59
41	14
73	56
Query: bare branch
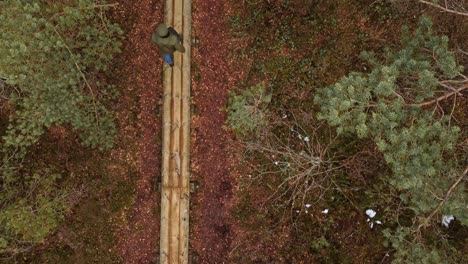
303	170
443	97
445	9
447	195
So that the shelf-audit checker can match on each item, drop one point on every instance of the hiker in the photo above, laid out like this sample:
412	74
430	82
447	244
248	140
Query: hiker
168	41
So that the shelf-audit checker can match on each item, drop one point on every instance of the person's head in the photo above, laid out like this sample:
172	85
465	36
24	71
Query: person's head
162	31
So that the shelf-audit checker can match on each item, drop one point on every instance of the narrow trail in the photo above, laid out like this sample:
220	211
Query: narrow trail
139	70
210	225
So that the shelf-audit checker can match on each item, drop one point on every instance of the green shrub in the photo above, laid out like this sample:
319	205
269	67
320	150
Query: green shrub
51	54
384	105
247	112
410	250
31	217
48	50
389	104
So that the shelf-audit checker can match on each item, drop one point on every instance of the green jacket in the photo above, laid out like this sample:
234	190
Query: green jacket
169	44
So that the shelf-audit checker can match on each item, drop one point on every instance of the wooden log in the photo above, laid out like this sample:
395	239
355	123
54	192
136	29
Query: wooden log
186	79
175	183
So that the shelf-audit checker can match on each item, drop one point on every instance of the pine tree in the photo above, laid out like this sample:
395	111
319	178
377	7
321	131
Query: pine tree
247	111
389	105
49	50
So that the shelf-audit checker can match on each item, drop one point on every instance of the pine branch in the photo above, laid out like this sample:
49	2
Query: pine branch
93	97
447	195
443	97
445	9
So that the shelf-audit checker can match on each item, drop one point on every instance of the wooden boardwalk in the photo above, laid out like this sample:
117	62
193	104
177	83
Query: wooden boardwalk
175	182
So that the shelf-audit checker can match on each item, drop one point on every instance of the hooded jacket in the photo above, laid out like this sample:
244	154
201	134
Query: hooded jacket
169	44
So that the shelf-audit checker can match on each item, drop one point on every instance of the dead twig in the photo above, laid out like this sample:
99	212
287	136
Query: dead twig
447	195
443	97
302	167
445	9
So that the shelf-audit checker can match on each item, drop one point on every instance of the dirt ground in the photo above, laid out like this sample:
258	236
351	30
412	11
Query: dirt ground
211	164
140	70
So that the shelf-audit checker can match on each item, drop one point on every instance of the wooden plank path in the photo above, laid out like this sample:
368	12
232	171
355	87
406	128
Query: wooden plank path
175	182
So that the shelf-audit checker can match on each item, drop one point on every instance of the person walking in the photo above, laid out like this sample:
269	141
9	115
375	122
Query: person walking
168	41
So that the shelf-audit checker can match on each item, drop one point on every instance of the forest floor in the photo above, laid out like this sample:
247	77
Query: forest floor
139	78
211	164
117	219
296	47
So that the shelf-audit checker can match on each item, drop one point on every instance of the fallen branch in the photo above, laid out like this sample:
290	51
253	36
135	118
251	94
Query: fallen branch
445	9
443	97
447	195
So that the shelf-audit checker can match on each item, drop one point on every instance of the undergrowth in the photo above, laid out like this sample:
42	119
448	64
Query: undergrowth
297	48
